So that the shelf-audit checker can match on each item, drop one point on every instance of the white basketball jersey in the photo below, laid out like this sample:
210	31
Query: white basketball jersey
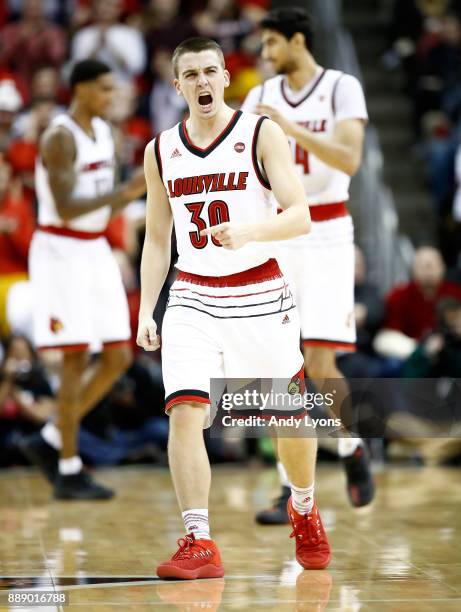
205	187
329	98
95	171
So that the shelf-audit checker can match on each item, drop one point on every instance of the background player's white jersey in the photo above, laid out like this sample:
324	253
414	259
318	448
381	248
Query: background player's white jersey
205	187
329	98
95	173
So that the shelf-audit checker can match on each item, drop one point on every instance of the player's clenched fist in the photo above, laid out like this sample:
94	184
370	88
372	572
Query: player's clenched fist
229	235
147	337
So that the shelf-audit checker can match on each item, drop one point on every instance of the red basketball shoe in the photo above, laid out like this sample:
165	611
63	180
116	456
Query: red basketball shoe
312	548
194	559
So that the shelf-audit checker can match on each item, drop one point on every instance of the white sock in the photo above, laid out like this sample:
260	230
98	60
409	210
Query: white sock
51	434
72	465
196	522
283	476
302	500
348	446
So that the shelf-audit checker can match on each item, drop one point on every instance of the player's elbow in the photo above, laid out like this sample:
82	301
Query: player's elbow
158	244
302	224
351	169
64	211
352	164
306	225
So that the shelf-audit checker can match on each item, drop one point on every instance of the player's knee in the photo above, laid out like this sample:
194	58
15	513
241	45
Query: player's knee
187	415
74	364
320	363
118	359
321	370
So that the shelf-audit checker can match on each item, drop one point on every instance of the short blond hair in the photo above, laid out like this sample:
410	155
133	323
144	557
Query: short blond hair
196	45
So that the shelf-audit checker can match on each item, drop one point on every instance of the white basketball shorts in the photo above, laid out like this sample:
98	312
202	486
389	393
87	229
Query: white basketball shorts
78	295
320	270
245	325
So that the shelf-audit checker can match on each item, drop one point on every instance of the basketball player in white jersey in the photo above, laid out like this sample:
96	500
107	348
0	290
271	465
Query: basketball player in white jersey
79	300
230	312
323	113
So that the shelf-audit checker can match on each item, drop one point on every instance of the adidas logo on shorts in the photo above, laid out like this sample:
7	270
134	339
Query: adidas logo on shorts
286	319
175	153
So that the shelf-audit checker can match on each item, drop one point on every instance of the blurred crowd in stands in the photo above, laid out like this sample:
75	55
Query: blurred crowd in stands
425	43
414	331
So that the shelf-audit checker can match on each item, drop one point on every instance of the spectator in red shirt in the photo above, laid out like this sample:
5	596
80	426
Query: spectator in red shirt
32	42
411	308
17	222
28	128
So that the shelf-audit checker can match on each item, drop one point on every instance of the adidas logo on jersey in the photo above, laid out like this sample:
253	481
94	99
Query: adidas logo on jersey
175	153
286	319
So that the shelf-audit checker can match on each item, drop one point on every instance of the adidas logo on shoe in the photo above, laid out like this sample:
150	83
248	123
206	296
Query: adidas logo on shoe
175	153
286	319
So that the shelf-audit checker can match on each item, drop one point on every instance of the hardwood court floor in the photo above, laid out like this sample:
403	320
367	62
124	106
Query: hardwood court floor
403	554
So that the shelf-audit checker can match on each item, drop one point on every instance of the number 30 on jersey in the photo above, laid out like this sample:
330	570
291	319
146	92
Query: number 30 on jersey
218	212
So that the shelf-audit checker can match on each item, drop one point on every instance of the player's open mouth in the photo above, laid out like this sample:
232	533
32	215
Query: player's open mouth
205	100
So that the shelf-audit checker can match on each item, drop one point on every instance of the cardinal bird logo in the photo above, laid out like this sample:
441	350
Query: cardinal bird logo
294	386
297	384
55	325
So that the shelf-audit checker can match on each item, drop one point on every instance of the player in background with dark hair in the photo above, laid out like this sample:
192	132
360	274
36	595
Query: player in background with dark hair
79	300
323	113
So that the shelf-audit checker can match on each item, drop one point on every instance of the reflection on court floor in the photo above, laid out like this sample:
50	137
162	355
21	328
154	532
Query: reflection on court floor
402	554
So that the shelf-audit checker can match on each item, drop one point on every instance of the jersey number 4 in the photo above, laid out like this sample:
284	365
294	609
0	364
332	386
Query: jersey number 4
302	157
218	212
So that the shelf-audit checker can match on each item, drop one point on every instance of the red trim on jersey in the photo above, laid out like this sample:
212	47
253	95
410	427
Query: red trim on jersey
229	296
309	93
158	155
220	135
333	344
267	271
333	94
325	212
180	399
115	343
97	165
69	232
64	347
254	156
261	95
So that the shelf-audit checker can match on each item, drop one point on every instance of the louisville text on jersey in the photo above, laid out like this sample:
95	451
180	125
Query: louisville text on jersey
192	185
316	126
